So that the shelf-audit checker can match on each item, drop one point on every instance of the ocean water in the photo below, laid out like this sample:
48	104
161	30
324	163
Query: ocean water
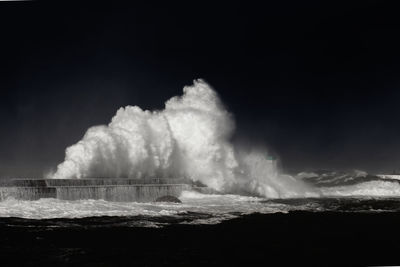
337	192
353	221
195	209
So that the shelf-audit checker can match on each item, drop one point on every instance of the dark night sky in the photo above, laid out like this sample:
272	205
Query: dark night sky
317	82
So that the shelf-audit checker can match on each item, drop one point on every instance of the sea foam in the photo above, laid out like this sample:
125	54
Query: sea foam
189	138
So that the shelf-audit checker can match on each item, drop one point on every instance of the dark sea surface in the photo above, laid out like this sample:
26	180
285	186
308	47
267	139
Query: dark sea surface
334	231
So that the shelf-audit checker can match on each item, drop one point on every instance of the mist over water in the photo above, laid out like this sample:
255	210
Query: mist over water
189	138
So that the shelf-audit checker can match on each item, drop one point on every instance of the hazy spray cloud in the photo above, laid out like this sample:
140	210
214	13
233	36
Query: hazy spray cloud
189	138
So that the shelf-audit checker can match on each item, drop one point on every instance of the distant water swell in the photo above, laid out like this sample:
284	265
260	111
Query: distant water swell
352	184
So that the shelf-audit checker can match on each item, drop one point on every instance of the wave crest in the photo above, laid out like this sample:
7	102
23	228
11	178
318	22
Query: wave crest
189	138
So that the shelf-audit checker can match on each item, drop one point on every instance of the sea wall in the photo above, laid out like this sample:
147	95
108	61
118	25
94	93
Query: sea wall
139	190
27	193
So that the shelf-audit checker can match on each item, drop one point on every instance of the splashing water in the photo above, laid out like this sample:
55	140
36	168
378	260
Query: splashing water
189	138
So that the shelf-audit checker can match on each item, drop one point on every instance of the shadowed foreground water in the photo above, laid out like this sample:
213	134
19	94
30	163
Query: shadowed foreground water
341	232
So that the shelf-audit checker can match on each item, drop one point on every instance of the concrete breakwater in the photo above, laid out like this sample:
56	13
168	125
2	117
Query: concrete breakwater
111	189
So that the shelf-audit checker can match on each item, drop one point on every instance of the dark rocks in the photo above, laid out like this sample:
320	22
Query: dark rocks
168	199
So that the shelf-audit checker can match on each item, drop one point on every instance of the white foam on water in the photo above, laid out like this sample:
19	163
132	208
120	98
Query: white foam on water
196	208
219	207
371	188
389	176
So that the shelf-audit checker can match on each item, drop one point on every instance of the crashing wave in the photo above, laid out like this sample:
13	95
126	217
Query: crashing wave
189	138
